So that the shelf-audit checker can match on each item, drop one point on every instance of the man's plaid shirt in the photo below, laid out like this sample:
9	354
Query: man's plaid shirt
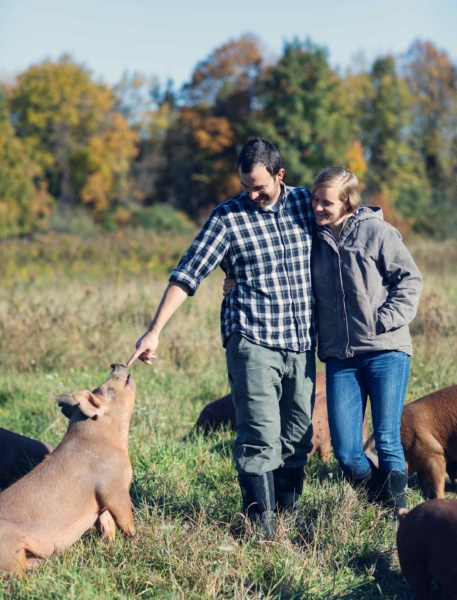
268	254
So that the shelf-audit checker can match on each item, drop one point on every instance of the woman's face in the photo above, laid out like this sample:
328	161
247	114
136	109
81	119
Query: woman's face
328	207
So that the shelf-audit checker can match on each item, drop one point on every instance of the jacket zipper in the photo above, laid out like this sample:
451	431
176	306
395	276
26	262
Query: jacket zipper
344	301
342	291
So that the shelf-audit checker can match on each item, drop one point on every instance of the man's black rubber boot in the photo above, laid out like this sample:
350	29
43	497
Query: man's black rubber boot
393	486
259	501
288	485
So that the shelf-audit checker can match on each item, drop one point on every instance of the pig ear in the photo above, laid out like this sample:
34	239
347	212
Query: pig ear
89	404
67	404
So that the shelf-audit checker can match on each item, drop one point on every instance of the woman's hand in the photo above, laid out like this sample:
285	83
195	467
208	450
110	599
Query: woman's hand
228	286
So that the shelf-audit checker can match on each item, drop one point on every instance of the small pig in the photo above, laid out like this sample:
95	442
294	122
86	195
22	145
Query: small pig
84	481
427	547
429	439
19	454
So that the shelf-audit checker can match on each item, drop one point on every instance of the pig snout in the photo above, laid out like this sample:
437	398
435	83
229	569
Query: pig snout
119	373
119	368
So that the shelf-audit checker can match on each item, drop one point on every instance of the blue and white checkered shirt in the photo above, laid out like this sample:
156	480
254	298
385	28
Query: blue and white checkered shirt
268	253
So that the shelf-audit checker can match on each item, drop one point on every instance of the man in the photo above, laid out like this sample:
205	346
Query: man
262	239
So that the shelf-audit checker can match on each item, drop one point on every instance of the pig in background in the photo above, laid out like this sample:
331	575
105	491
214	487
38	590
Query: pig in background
427	547
429	439
19	454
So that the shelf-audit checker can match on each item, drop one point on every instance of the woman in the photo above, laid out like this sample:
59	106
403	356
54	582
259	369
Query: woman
366	288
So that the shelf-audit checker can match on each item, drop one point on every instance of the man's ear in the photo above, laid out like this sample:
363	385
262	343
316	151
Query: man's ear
67	404
89	404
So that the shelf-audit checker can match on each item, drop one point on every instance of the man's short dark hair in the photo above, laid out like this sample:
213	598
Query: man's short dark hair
259	152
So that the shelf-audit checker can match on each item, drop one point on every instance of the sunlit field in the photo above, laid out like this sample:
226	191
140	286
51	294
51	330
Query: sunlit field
68	308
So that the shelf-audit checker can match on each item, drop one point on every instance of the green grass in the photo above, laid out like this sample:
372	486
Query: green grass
68	308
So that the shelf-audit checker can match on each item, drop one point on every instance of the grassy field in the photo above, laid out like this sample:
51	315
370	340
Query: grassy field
68	308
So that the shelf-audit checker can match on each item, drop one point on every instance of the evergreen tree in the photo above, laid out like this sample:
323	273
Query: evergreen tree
304	113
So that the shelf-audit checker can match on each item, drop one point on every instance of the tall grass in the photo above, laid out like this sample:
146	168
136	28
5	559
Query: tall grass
70	307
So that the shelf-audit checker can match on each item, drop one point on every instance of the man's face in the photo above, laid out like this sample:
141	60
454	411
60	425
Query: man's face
260	187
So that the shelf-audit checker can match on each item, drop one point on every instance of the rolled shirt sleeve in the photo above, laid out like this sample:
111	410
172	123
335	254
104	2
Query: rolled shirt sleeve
204	255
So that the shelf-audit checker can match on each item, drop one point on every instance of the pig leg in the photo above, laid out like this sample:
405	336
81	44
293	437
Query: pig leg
435	470
424	484
107	526
12	556
325	452
120	507
13	563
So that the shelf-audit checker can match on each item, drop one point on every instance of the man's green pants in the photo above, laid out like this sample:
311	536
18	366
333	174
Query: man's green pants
273	394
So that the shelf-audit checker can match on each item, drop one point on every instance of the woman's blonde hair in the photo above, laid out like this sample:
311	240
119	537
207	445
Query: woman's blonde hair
345	181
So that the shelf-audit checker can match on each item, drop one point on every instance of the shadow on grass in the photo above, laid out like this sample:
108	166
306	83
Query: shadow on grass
5	397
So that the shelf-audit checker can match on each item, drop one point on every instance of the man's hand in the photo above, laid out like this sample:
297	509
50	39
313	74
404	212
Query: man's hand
228	286
145	348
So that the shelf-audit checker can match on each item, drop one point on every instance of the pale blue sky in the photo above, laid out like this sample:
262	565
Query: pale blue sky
168	38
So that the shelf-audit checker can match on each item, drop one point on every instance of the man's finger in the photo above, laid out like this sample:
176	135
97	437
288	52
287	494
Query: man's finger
134	356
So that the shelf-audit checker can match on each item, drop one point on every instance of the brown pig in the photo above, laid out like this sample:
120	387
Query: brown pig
85	480
19	454
429	440
427	547
222	412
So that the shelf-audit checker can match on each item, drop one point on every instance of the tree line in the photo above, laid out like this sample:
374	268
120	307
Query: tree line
67	140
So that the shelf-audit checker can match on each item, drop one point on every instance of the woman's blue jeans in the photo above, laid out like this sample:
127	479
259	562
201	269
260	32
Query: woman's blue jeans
383	376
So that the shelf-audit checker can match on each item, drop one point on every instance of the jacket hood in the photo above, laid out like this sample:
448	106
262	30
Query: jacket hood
362	214
369	212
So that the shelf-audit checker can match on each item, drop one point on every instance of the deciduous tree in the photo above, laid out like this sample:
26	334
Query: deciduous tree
57	107
24	201
209	128
108	160
432	81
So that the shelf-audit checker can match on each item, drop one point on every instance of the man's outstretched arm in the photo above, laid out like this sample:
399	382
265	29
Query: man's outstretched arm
174	296
204	255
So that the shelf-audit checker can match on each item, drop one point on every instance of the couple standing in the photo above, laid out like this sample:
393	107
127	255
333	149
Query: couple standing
296	257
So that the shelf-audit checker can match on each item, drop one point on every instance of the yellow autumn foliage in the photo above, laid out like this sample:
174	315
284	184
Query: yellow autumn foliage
109	155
